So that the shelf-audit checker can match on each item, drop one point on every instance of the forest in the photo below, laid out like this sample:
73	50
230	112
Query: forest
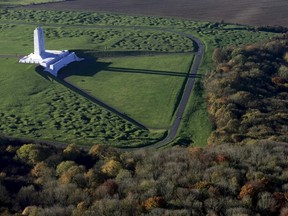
226	179
242	170
247	93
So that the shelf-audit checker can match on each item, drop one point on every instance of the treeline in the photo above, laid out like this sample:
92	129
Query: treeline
248	93
275	29
217	180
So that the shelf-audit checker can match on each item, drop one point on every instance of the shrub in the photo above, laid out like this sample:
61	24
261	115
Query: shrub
4	195
154	202
111	168
64	166
95	151
32	153
278	80
201	185
74	174
71	152
253	187
267	204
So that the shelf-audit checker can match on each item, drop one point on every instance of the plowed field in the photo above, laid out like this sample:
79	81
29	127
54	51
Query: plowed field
253	12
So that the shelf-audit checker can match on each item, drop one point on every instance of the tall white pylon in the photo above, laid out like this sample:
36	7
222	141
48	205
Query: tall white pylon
39	45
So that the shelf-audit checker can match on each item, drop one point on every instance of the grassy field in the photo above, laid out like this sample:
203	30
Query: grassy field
91	39
32	106
44	112
106	127
145	88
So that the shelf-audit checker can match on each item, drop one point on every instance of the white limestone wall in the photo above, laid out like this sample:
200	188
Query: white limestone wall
55	67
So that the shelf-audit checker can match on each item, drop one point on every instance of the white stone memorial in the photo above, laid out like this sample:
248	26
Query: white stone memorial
51	60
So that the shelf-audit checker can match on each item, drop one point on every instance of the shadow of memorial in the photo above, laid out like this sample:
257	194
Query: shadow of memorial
90	67
90	71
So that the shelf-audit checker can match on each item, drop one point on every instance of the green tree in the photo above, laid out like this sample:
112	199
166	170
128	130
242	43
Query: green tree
72	152
64	166
32	153
111	168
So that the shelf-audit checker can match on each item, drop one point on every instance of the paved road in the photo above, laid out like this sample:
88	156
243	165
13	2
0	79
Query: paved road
186	93
182	105
185	97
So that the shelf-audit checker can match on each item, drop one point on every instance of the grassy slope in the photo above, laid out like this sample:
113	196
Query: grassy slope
33	106
195	118
74	127
90	39
16	40
145	88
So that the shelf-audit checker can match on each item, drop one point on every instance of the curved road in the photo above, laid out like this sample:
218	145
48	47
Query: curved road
184	100
186	94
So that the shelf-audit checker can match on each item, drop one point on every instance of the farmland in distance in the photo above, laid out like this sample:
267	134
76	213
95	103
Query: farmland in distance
260	12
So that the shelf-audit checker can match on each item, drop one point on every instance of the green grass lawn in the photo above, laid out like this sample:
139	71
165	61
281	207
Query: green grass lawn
18	39
125	87
146	88
40	110
32	106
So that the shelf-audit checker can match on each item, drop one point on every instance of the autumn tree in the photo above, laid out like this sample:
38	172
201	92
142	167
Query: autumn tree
111	168
33	153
